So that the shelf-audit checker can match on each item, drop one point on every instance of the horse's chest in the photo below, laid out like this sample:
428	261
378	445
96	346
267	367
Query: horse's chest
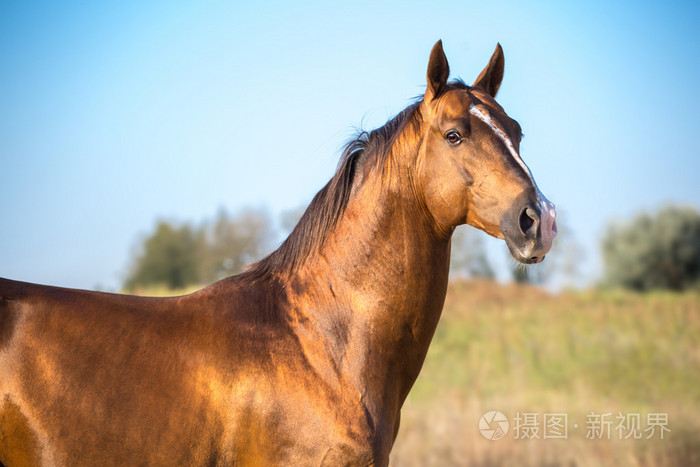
310	433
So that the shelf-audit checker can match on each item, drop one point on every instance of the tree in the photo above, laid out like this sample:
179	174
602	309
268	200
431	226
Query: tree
654	251
236	241
469	257
169	257
176	256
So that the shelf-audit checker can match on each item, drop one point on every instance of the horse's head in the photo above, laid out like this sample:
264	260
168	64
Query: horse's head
469	165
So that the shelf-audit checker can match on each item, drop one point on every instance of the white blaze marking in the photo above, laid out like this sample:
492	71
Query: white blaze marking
486	118
547	209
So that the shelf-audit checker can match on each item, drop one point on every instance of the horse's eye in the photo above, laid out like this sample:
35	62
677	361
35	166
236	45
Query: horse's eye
453	138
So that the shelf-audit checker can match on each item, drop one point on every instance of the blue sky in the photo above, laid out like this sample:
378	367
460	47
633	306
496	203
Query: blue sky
115	114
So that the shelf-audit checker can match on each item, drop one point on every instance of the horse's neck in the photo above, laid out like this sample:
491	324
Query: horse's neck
383	273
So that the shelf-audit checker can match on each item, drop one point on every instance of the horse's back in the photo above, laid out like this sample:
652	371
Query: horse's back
216	378
10	293
88	378
18	443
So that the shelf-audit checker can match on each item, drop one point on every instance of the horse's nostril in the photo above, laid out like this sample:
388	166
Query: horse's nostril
527	220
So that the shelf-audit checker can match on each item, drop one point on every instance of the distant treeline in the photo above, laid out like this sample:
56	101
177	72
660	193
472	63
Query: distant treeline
177	255
659	250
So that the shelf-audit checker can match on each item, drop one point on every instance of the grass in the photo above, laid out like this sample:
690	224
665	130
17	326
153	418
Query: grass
517	349
162	291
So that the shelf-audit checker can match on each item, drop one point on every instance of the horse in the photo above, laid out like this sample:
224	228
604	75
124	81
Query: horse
306	357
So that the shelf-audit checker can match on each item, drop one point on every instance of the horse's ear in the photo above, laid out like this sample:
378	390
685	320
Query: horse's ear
438	71
490	78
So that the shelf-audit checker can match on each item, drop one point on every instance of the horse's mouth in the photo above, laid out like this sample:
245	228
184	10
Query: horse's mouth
526	252
525	259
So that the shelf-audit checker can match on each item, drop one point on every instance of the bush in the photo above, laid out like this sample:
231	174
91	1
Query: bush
179	256
170	257
654	251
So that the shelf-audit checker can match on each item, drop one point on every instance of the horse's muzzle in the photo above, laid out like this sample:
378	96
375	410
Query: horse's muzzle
530	228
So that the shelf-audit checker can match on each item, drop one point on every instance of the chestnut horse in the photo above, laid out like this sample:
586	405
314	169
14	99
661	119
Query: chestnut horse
304	359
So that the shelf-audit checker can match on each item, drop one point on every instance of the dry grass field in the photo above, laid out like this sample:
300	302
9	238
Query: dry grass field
519	350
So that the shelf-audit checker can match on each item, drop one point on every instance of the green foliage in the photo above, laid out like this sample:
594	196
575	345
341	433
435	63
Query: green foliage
179	256
170	257
659	251
234	242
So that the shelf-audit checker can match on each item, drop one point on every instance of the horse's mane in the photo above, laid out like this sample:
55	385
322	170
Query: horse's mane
329	204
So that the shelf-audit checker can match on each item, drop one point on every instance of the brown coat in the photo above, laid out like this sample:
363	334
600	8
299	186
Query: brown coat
306	358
